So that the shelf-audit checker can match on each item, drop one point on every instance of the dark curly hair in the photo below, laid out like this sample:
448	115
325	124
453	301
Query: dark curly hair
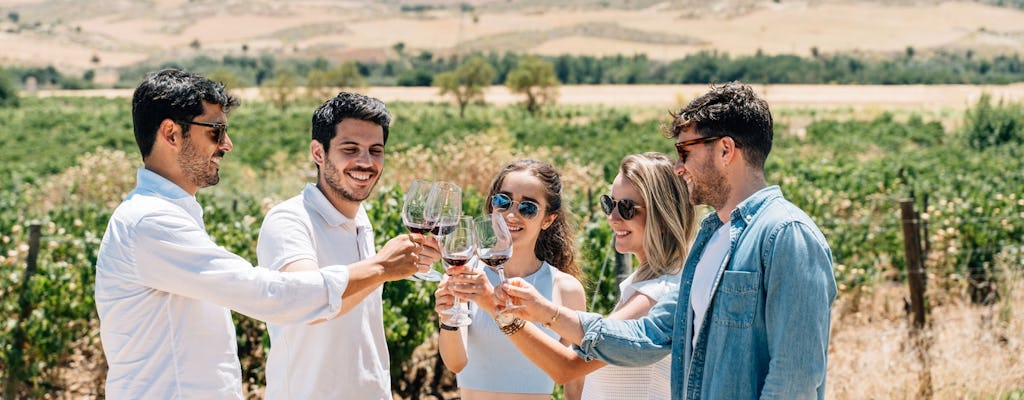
732	110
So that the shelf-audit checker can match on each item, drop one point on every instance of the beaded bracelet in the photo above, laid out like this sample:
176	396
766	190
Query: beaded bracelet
513	327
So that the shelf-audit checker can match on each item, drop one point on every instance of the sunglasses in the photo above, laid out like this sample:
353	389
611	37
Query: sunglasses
681	146
627	208
527	208
219	129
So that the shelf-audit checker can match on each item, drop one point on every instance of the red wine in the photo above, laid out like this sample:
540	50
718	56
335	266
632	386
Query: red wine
417	228
495	260
455	261
443	229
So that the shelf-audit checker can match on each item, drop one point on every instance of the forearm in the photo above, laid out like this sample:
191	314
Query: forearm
554	358
452	348
364	277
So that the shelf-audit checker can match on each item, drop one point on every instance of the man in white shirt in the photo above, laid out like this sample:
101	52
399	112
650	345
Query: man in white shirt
164	288
346	358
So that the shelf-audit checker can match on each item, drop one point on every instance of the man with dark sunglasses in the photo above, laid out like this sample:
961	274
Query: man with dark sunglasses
164	289
751	319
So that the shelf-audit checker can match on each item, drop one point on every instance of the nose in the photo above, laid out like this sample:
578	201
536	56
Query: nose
364	159
680	167
226	144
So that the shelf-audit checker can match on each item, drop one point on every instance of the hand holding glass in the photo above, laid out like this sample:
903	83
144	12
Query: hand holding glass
494	246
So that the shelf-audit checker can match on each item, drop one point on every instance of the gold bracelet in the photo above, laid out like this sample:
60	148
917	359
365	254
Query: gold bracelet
513	327
553	318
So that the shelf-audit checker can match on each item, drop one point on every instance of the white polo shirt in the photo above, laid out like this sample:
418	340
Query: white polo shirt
346	358
163	291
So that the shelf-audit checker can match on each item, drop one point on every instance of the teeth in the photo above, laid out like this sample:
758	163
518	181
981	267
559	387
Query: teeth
621	233
360	175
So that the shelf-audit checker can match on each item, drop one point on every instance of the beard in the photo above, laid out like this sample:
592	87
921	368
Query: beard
708	186
335	182
198	168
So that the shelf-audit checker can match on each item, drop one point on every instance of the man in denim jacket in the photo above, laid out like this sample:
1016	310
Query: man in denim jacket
751	319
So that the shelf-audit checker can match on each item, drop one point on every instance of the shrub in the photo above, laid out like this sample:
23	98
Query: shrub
989	125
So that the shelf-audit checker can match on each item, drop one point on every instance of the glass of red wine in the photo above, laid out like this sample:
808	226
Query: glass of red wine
448	200
457	249
494	247
420	213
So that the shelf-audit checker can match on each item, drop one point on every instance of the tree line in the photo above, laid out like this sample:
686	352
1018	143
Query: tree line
421	68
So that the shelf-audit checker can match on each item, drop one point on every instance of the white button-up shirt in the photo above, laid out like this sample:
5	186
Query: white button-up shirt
346	358
164	290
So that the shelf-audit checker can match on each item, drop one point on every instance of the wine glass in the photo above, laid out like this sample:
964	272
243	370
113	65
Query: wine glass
419	214
494	247
448	200
457	248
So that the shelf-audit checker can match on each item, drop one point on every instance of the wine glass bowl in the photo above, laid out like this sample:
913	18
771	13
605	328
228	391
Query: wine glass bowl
420	212
494	247
417	213
447	198
457	249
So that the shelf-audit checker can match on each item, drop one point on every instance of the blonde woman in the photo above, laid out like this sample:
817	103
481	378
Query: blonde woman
650	213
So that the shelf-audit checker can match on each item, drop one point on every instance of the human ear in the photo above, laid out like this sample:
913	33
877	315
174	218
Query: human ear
316	150
166	131
548	220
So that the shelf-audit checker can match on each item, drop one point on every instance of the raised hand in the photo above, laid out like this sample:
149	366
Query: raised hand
532	305
473	285
443	299
404	255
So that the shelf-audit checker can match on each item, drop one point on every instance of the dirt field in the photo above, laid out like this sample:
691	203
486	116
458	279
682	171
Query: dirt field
68	34
910	97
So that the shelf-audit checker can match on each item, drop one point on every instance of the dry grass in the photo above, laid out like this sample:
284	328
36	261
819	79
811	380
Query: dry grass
967	351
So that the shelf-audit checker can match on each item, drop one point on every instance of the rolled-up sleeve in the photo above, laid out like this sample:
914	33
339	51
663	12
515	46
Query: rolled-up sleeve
629	343
175	255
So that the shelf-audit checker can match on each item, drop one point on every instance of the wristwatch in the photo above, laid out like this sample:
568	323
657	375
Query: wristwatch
504	319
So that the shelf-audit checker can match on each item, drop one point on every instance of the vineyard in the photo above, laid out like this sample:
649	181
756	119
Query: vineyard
67	162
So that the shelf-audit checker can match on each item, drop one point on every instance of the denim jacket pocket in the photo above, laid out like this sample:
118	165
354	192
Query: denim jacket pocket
736	300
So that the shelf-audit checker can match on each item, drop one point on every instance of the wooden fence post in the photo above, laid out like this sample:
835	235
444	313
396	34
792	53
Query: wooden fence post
915	265
919	337
14	358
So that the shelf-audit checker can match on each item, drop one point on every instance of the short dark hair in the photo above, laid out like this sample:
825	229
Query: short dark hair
348	105
732	110
172	94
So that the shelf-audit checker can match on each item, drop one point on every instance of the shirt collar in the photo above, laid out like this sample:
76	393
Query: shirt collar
152	182
319	203
745	211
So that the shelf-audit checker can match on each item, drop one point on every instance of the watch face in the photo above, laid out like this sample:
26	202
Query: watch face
505	319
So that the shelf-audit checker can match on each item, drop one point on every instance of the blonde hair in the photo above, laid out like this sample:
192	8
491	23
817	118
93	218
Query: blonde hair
670	219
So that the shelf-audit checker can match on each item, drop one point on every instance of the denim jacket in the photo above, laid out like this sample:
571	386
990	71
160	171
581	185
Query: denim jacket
767	327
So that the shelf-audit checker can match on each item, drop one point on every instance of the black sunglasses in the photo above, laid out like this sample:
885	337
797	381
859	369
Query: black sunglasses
627	208
681	146
219	128
502	202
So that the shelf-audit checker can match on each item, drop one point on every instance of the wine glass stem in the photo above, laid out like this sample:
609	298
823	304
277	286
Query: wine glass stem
501	278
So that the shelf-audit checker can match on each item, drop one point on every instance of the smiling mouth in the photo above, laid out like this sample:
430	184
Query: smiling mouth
621	233
514	228
362	176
